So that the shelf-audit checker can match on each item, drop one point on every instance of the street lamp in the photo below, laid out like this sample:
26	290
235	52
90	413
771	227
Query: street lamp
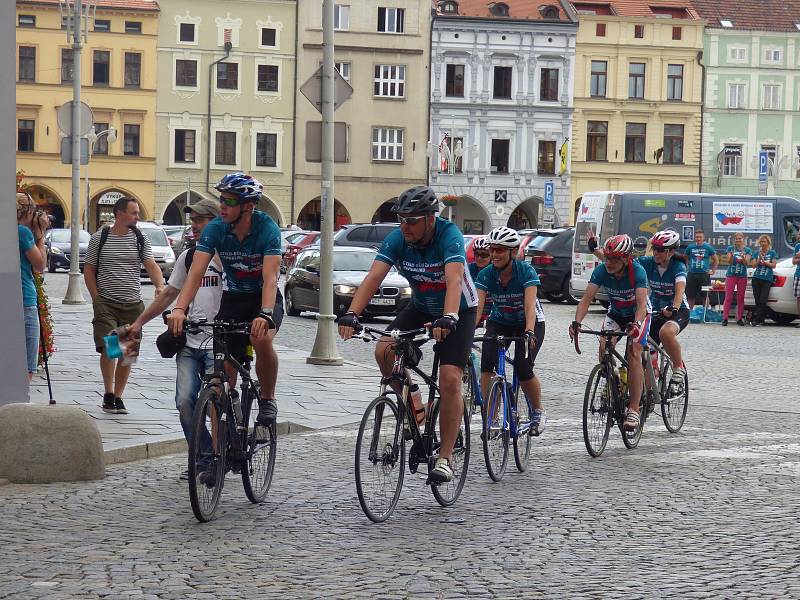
92	137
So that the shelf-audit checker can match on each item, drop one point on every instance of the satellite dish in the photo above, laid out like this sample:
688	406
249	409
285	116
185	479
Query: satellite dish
64	118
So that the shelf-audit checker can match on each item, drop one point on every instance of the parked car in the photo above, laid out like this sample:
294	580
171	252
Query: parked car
290	235
469	241
162	250
58	243
527	236
305	238
350	266
551	255
175	234
365	235
781	305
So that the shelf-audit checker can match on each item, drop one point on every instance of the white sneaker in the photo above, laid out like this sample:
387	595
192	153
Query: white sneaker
441	472
538	421
677	380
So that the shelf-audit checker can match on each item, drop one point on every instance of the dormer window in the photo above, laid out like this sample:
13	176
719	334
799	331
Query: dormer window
669	12
449	7
548	12
726	23
498	9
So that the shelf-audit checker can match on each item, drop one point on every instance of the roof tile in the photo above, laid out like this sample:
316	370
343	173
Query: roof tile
133	5
765	15
517	9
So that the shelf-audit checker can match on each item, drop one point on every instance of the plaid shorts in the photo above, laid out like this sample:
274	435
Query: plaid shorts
797	287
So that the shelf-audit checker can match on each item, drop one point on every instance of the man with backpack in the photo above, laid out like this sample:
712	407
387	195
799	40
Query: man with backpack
114	259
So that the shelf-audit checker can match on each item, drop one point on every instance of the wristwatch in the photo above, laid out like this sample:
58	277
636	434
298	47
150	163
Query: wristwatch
266	311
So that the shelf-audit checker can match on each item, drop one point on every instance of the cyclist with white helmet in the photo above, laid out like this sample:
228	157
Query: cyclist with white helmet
249	245
512	286
480	249
429	252
625	281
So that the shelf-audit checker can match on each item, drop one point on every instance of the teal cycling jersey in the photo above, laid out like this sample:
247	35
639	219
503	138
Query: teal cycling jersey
762	271
797	252
242	261
737	268
662	282
474	269
700	257
424	266
621	290
508	302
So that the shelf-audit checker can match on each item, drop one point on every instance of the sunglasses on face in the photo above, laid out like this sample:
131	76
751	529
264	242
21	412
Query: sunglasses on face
660	250
482	254
228	201
410	220
199	218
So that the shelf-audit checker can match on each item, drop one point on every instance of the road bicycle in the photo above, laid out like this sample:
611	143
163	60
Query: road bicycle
673	400
222	437
389	421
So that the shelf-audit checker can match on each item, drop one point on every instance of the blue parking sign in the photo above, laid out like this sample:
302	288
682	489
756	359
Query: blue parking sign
763	165
549	189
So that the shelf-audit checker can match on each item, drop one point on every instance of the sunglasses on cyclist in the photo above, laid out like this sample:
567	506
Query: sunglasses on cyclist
229	201
660	250
482	254
410	220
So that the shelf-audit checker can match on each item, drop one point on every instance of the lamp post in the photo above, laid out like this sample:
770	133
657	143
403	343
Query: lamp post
92	137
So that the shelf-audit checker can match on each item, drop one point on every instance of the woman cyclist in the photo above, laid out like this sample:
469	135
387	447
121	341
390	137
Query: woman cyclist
511	285
480	249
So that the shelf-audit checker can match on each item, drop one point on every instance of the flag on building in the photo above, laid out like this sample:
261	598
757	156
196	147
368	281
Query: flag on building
563	154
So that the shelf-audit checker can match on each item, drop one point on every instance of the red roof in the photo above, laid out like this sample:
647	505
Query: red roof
651	9
765	15
517	9
130	5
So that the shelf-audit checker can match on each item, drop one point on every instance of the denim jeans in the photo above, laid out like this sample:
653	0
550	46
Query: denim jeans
192	364
32	337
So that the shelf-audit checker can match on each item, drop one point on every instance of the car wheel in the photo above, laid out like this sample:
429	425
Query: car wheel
783	318
51	267
566	295
291	310
554	297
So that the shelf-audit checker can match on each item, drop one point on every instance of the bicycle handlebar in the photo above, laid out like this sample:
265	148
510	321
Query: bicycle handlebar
503	338
191	326
369	334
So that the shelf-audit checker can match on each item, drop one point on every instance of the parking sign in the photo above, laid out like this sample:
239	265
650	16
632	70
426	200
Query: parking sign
549	189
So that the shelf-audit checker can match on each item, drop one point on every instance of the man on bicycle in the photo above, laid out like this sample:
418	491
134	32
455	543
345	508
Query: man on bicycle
429	252
625	281
249	244
480	250
512	285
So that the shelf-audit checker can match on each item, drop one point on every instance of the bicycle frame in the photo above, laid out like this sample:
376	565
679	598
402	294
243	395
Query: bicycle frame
509	419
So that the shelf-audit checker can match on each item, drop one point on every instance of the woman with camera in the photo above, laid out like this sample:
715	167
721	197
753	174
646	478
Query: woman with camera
31	226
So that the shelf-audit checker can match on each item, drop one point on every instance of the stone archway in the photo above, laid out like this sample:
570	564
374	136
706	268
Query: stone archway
268	206
309	216
173	213
50	202
101	207
526	214
384	213
469	214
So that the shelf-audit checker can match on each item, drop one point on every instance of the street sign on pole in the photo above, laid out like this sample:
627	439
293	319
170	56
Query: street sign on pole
312	89
549	190
763	170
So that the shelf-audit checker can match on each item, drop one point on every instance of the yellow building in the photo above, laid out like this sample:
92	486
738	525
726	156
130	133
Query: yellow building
118	76
638	97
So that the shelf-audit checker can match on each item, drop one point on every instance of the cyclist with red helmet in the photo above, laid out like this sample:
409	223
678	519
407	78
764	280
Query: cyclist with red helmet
625	282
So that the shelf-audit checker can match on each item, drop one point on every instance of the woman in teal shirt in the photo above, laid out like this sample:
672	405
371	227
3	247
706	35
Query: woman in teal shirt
736	279
764	260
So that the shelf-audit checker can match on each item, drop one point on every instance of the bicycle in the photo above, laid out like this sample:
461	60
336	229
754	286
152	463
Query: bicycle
503	416
222	438
387	424
673	405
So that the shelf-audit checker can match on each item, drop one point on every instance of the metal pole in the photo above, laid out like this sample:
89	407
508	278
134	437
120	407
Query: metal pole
325	351
74	294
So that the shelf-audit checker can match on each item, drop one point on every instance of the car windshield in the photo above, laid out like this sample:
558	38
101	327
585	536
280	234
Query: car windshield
62	236
295	237
156	236
352	261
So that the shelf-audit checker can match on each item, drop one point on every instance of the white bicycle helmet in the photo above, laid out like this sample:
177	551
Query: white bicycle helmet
666	239
480	244
504	236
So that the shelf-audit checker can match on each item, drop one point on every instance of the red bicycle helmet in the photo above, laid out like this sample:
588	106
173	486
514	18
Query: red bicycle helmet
666	239
618	246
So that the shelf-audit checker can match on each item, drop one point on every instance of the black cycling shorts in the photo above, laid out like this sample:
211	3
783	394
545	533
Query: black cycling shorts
680	317
454	350
524	368
244	308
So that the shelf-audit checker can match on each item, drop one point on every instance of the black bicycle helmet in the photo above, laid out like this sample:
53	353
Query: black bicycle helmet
419	199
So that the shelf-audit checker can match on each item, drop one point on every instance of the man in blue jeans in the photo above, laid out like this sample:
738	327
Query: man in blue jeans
196	358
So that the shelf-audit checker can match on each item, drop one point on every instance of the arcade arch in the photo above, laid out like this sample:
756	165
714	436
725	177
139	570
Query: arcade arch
309	216
526	214
48	200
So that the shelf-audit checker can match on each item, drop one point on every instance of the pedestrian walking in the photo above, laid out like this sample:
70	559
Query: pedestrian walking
739	258
764	261
703	262
31	226
114	259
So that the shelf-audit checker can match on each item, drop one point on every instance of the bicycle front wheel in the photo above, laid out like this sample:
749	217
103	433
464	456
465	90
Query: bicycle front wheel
207	448
495	435
447	493
522	441
380	459
597	411
259	458
674	402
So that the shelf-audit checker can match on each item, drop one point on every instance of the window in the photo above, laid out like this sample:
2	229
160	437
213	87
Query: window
732	161
267	36
736	95
726	23
225	148
66	22
455	146
597	85
387	144
102	25
25	131
27	63
133	70
186	32
390	81
344	69
791	227
772	155
186	73
596	140
227	78
268	78
390	20
772	55
184	145
635	136
100	145
130	140
267	149
549	12
67	65
600	30
341	17
638	31
548	87
677	33
100	67
636	81
674	82
133	27
797	159
673	144
499	156
737	54
454	81
547	158
26	20
498	9
502	82
450	6
772	99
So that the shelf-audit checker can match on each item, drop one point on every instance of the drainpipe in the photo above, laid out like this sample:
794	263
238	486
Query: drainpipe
228	47
702	118
430	76
294	109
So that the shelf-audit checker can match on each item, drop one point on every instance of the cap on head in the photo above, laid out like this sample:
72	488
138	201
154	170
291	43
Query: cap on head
204	208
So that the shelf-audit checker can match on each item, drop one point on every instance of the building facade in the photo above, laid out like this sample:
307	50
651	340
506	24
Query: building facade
382	51
638	97
118	78
226	75
501	111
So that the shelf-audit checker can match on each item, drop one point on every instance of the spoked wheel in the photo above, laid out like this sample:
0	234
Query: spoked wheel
596	412
494	434
468	391
447	493
674	402
631	438
522	442
207	450
259	459
380	459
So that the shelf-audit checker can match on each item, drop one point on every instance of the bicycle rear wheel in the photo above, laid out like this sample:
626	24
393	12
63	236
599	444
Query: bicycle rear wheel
447	493
468	391
494	434
631	438
673	407
522	441
207	448
259	458
596	412
380	459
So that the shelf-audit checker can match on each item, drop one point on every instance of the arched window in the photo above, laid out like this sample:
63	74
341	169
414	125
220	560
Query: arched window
498	9
449	7
548	12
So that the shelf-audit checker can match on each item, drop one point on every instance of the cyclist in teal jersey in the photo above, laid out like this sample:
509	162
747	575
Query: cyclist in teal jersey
429	252
481	251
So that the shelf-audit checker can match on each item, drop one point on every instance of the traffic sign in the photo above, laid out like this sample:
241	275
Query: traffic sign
763	165
64	118
549	190
312	89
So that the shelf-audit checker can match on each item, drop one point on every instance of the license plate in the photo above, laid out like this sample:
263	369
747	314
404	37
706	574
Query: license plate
383	301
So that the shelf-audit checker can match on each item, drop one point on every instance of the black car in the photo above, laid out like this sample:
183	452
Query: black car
365	235
58	243
350	266
551	255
